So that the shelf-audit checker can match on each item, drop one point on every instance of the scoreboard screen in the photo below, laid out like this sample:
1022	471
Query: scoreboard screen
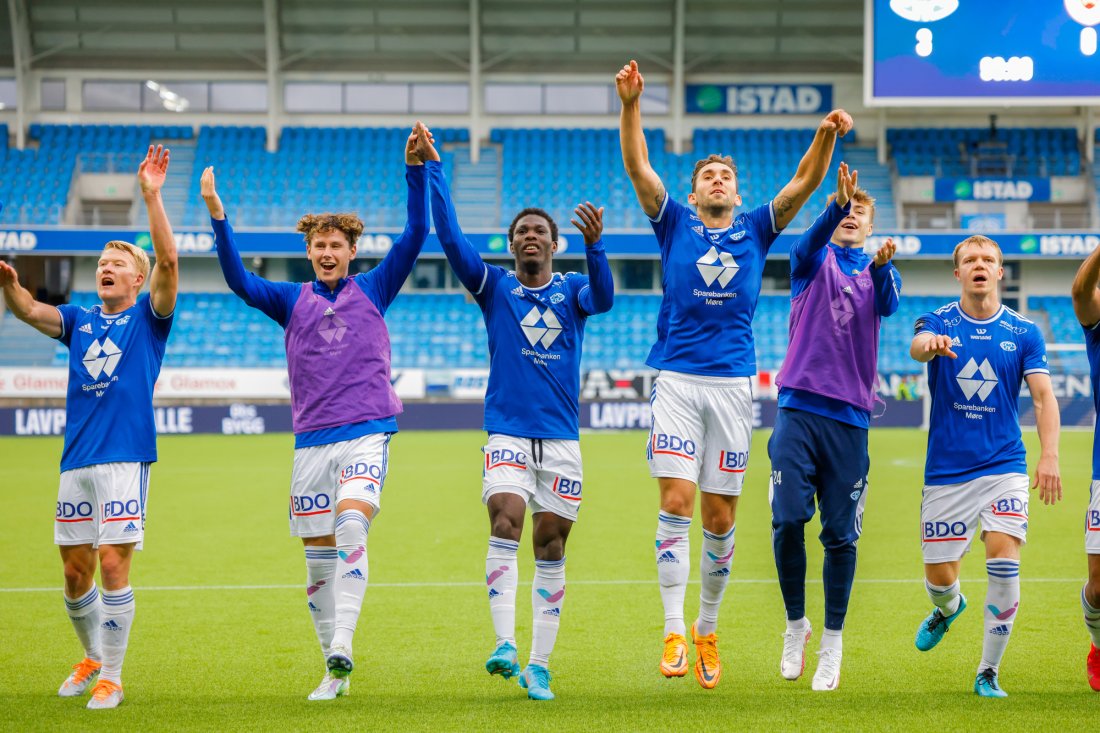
980	52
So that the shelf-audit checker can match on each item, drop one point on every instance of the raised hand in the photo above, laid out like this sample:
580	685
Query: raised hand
210	193
1048	479
423	143
837	121
8	275
939	345
629	82
592	218
885	253
153	170
846	183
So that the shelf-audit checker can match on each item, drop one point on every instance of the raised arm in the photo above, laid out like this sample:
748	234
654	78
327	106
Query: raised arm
1048	423
647	184
22	304
463	256
386	279
811	169
599	294
1086	296
164	281
275	299
808	252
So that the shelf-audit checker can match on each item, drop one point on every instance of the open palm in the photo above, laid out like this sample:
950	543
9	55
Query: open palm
154	169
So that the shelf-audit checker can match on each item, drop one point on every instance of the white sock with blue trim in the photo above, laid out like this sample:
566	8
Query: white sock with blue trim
1092	619
717	559
118	617
321	592
1002	600
547	596
673	550
84	613
944	597
501	577
350	583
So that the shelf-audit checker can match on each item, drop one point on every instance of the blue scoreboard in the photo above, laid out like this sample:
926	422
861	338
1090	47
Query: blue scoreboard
980	52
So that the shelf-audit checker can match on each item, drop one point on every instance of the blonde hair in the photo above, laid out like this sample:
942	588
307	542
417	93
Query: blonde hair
137	254
979	241
859	196
312	224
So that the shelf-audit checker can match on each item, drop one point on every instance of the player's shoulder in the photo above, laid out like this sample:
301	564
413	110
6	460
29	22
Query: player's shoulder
1018	323
948	310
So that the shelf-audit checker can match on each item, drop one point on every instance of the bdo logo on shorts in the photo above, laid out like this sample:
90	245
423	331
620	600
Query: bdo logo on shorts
733	461
945	531
1010	507
308	505
673	445
367	472
116	511
566	489
1092	520
67	511
499	457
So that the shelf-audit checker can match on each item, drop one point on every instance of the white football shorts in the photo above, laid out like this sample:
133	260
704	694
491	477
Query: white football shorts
546	473
102	504
950	514
325	475
1092	521
702	430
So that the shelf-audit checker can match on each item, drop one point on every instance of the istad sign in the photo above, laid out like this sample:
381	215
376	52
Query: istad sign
759	99
992	189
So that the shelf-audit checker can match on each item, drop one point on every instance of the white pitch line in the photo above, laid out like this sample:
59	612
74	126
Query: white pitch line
477	584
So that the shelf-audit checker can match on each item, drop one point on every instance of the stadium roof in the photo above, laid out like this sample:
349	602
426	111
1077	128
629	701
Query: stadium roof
434	36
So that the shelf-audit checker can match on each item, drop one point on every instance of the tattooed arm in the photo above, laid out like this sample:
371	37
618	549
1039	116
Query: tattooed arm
647	184
811	169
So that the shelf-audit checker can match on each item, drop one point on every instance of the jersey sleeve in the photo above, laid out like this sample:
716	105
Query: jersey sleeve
159	325
928	323
664	224
483	294
69	315
762	221
275	299
808	252
596	292
887	286
463	257
1035	352
383	283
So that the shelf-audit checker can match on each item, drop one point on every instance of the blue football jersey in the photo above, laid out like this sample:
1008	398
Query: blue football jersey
711	282
1092	348
535	338
114	361
974	428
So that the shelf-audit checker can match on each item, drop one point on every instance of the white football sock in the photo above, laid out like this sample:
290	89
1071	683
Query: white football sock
84	613
321	592
350	582
118	617
547	596
1002	600
717	560
501	576
673	566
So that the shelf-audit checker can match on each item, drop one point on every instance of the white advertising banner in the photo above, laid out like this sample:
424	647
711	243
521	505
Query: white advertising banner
233	384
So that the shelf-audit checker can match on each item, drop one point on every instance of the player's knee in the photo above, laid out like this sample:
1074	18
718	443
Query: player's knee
789	527
78	577
115	570
551	550
506	527
678	504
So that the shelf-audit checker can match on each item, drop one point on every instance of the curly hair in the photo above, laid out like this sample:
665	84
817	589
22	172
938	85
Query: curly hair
313	224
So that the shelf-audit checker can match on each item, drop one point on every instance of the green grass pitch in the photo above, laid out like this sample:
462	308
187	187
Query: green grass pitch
222	639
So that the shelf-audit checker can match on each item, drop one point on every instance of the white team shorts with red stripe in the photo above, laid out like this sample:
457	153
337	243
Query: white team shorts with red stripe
702	430
950	514
102	504
546	473
325	475
1092	521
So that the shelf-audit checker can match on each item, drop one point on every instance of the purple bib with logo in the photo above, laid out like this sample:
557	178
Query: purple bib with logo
834	333
338	356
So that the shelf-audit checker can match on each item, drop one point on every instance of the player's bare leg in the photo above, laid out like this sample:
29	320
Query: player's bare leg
83	606
506	515
673	554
